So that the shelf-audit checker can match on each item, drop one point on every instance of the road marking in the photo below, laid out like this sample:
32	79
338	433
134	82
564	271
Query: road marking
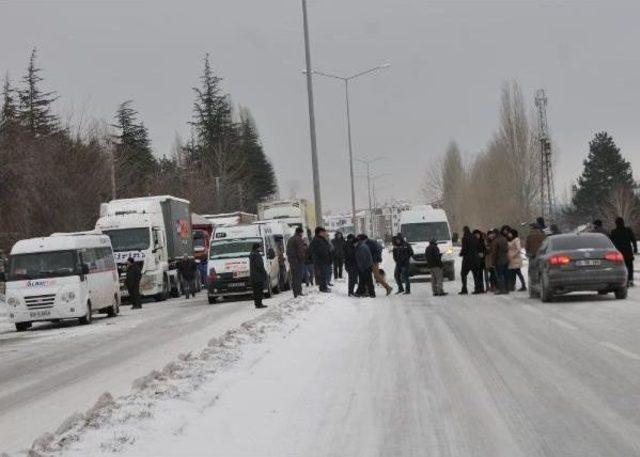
564	324
620	350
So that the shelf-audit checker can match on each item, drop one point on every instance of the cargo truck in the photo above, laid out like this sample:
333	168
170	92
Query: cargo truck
295	213
156	232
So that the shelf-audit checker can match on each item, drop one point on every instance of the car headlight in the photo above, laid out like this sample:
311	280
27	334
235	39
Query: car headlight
449	251
13	301
68	296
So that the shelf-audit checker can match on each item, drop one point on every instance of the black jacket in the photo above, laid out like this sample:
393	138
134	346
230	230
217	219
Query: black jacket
187	269
625	241
433	256
402	253
364	259
134	274
376	250
320	251
296	250
469	251
339	244
350	256
257	273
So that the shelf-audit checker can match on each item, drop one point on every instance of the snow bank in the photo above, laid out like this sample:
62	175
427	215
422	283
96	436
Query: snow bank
175	381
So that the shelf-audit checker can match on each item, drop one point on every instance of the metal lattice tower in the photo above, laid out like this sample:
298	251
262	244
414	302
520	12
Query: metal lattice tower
547	194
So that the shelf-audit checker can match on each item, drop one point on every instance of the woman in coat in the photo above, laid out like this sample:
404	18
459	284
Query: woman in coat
515	260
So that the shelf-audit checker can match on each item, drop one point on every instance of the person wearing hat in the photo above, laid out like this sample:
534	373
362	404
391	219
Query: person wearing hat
296	254
257	275
132	282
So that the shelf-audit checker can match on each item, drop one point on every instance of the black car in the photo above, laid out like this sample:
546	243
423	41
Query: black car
573	263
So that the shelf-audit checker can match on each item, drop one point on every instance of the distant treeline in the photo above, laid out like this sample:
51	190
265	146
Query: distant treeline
53	176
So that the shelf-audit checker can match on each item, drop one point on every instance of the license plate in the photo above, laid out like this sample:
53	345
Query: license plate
240	274
588	263
235	285
38	314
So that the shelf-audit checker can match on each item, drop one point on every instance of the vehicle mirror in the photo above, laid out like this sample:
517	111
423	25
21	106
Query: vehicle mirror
271	254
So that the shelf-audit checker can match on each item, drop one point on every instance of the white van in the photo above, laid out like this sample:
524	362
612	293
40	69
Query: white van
228	265
281	233
419	225
63	276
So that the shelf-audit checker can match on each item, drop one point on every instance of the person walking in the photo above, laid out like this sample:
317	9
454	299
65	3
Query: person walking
490	270
257	275
364	263
350	263
376	253
309	274
296	255
478	267
132	283
402	253
469	254
320	250
515	261
625	241
500	252
435	265
187	268
338	243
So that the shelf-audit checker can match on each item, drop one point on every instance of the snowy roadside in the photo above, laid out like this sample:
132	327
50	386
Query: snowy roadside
114	422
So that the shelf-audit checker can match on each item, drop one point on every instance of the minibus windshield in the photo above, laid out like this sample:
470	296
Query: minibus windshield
426	231
239	247
41	265
133	239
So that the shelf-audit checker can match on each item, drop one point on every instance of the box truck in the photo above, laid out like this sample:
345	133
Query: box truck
155	232
295	213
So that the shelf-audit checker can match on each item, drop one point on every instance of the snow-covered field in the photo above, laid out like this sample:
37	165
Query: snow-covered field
329	375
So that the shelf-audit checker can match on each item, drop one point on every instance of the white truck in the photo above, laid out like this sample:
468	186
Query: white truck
419	225
156	232
295	213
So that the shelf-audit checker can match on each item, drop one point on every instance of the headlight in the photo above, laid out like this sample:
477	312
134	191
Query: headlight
13	301
68	296
449	251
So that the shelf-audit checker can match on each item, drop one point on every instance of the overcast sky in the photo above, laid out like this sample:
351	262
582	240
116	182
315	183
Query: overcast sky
448	60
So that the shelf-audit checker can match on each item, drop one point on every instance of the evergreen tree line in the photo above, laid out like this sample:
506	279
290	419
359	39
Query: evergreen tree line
500	185
54	177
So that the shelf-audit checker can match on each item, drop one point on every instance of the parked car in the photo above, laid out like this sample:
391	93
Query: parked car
577	262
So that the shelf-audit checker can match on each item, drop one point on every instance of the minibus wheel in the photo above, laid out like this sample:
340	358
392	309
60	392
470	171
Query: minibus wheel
22	326
86	319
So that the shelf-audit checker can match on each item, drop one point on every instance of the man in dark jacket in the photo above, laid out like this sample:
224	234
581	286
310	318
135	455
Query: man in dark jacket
132	282
433	258
338	255
350	262
187	269
376	253
469	254
364	262
402	253
500	253
257	275
296	254
320	250
625	241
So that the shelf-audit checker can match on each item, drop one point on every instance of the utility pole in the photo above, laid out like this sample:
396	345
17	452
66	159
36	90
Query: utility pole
547	194
112	171
367	163
312	122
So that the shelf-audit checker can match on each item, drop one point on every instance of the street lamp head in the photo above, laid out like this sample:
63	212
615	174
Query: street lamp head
386	65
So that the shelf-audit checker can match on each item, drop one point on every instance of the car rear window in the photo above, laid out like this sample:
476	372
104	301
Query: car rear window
566	243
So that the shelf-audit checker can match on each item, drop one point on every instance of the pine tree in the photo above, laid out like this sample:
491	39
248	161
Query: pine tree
9	112
35	105
134	157
605	170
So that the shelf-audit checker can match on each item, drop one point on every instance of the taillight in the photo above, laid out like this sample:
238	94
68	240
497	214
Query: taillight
213	275
614	257
559	260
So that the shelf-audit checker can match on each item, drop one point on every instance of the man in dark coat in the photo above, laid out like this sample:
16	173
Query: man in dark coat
350	262
338	255
320	250
364	262
257	275
296	254
625	241
433	258
500	253
187	269
132	282
402	253
469	254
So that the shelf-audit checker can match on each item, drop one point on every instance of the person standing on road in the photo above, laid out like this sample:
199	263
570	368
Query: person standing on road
338	255
296	254
469	254
132	282
376	253
257	275
478	269
515	261
625	241
533	242
364	262
500	253
320	250
309	274
490	270
435	265
402	253
187	269
350	263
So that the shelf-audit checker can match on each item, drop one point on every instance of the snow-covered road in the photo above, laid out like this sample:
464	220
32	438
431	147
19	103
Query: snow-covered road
338	376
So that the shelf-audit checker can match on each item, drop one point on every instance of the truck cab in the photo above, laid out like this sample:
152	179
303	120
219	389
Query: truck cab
419	225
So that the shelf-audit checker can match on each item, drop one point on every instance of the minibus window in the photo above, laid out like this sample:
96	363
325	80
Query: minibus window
42	265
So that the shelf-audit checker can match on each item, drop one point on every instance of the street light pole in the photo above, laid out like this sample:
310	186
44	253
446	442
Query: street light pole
368	163
312	121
